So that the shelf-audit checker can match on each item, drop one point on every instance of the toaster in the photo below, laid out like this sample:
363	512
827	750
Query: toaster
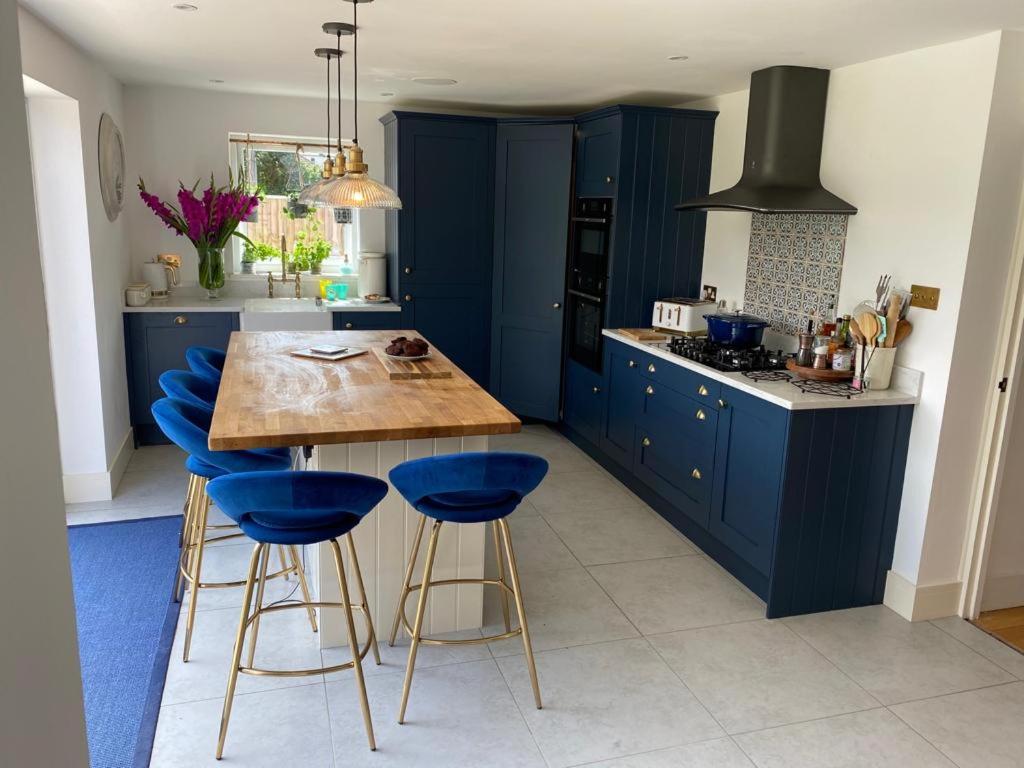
682	315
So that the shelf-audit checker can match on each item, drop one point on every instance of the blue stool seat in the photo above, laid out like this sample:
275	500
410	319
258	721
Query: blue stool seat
193	388
468	487
296	507
206	361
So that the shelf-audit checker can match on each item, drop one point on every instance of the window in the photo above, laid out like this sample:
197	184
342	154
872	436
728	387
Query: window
324	240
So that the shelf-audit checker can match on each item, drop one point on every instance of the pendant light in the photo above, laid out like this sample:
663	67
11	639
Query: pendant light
355	189
332	168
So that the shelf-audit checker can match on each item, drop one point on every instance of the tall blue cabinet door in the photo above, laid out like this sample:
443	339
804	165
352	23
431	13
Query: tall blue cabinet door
531	202
449	317
624	401
446	182
749	455
597	156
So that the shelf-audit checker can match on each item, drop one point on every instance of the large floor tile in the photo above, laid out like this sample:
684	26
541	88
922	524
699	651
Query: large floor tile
977	729
561	455
874	739
286	641
717	753
586	490
676	593
393	659
459	716
896	660
758	675
160	457
605	701
537	547
616	535
564	609
271	729
994	650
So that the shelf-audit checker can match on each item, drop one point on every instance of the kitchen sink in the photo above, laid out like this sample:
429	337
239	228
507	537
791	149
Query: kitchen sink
284	314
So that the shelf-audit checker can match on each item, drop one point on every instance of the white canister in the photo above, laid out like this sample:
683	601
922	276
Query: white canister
373	273
136	294
873	367
158	275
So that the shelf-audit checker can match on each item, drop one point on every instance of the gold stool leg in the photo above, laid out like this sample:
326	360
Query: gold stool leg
284	560
408	579
501	575
255	630
199	537
518	591
237	654
357	664
362	598
297	565
421	607
184	536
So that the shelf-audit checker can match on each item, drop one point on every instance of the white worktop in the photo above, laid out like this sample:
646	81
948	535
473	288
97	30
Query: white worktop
186	301
905	389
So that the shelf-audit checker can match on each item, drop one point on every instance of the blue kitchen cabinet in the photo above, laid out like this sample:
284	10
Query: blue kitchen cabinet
532	182
598	139
584	400
624	399
450	318
156	342
366	321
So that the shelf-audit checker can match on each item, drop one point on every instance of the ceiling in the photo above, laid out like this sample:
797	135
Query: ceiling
536	55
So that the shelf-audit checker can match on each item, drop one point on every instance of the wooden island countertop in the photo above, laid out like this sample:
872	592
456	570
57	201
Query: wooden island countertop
269	398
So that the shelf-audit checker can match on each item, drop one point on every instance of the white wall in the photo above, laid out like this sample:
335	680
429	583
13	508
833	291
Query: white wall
905	137
57	63
42	723
182	134
60	199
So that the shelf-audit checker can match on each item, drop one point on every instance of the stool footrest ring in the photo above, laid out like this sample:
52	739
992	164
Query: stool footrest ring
466	641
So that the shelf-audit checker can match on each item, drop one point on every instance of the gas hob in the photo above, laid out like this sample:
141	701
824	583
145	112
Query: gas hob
722	358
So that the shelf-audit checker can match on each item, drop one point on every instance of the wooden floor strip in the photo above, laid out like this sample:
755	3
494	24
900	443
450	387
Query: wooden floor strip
1006	625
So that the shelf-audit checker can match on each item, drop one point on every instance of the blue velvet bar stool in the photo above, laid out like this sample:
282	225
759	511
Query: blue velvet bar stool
188	426
465	488
206	361
291	508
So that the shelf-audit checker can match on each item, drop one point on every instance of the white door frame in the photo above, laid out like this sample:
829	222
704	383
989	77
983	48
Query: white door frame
999	413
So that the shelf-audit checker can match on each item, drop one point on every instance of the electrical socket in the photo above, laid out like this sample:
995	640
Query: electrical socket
710	293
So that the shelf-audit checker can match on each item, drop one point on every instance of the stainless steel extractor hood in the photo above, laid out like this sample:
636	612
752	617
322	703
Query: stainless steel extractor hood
782	156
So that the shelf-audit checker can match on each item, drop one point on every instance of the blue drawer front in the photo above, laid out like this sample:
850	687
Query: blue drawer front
689	418
367	321
689	383
676	467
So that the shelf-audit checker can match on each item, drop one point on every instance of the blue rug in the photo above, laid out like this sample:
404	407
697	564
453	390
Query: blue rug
122	575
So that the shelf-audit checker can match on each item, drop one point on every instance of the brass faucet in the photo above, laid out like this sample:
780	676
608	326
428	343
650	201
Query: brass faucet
284	274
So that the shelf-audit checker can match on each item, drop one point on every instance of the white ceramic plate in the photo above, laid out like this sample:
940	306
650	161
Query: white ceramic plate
408	359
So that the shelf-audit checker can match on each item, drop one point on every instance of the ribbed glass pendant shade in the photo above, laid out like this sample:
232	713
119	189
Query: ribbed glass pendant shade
357	190
311	194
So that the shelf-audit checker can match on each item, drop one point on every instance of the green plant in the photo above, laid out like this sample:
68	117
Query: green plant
310	249
294	209
260	252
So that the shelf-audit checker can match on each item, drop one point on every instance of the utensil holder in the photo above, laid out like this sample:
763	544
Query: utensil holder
873	367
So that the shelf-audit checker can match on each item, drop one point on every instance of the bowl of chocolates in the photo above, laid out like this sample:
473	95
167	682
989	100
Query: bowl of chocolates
407	349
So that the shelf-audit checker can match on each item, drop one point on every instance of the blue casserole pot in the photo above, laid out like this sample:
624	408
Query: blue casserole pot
734	329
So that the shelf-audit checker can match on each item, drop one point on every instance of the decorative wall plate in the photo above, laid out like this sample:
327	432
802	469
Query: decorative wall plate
111	161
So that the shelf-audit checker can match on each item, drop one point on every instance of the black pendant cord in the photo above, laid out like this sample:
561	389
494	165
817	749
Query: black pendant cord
355	70
339	93
329	107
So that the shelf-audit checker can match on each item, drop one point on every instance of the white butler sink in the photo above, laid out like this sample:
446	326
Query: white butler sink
284	314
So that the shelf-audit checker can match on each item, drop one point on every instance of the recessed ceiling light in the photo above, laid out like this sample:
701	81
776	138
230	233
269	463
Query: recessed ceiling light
434	80
678	58
387	93
216	80
185	7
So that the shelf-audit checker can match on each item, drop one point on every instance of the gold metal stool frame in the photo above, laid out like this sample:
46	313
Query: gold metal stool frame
502	536
251	621
190	563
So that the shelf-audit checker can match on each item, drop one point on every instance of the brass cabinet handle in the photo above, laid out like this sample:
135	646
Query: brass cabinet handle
348	325
702	390
722	403
650	367
408	270
608	179
649	390
631	363
695	474
407	297
646	442
701	415
597	390
180	320
556	305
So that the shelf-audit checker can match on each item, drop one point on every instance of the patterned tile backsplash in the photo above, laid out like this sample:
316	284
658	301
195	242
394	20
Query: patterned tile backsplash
794	266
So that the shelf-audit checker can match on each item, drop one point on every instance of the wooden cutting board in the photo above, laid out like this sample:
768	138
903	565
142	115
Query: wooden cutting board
643	334
405	370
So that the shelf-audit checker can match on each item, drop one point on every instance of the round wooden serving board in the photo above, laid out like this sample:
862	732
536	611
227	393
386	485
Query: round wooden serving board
817	374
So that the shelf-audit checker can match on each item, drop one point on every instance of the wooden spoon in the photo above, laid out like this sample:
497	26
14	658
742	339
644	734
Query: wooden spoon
892	319
904	329
856	332
870	327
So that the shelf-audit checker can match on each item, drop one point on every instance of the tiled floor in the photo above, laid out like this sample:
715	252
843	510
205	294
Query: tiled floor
649	656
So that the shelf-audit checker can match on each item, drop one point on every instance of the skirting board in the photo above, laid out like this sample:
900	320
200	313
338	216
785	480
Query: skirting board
921	603
100	486
1003	592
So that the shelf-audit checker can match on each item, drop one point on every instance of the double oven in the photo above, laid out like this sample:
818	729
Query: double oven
588	278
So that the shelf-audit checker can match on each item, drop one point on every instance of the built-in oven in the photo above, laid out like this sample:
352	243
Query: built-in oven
588	277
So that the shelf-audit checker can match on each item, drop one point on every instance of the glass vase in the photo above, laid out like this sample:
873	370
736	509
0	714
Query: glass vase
211	269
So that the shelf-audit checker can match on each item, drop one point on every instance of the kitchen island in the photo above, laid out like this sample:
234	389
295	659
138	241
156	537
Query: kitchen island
351	416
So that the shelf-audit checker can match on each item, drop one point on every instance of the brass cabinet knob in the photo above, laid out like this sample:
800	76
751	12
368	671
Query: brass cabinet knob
608	179
722	403
701	415
646	442
408	270
631	363
702	390
348	325
556	305
650	367
596	390
180	320
695	474
649	390
407	297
